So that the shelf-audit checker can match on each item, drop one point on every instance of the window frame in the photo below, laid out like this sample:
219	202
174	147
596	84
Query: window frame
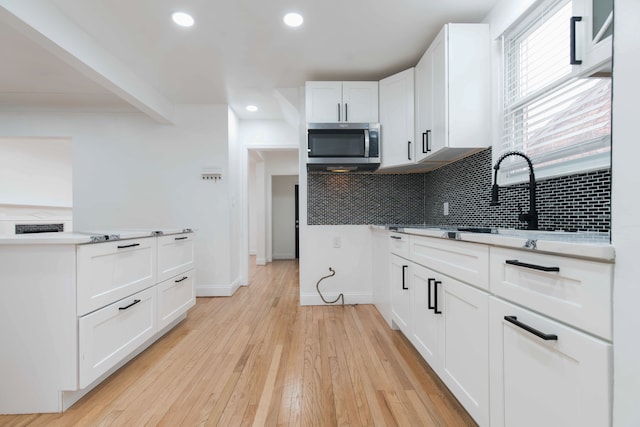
507	176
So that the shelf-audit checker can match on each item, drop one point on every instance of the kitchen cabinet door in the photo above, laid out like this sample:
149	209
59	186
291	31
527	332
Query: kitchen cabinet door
396	119
341	102
593	35
323	101
175	297
360	102
110	334
113	270
464	345
535	382
175	255
423	105
426	317
401	294
453	94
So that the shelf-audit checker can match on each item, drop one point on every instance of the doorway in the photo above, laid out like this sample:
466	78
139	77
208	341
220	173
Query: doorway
283	216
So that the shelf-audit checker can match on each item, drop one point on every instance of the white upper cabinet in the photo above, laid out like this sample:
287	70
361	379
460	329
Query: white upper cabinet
397	119
453	94
592	34
341	102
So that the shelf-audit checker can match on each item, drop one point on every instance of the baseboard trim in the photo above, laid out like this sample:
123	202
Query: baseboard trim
217	290
261	261
349	298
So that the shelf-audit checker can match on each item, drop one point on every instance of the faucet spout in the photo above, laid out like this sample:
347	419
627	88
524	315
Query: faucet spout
531	217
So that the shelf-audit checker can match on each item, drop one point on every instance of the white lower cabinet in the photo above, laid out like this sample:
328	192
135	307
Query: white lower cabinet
175	297
563	380
425	318
108	335
175	255
464	346
451	332
401	294
112	270
521	338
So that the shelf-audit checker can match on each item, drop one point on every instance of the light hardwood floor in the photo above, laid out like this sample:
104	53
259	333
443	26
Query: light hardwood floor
259	358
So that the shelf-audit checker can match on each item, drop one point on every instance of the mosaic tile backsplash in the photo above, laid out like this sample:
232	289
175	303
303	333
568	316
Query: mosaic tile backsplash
580	202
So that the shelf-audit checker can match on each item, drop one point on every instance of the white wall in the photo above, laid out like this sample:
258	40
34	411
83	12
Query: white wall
283	216
624	209
238	215
251	202
36	171
130	171
351	261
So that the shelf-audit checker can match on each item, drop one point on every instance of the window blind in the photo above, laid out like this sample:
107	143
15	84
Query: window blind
562	122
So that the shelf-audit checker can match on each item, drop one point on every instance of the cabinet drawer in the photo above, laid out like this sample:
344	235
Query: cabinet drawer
175	297
579	293
399	244
468	262
110	334
537	382
175	255
110	271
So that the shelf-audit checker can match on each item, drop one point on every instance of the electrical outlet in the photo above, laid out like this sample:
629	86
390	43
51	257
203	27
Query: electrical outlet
337	242
445	208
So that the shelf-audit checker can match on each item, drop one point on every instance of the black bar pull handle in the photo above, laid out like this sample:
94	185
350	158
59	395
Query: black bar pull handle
346	112
435	296
532	266
515	321
425	141
396	237
409	150
182	238
572	43
129	246
338	111
180	280
404	283
429	305
135	301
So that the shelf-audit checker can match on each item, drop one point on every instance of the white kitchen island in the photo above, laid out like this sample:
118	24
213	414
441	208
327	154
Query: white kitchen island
74	307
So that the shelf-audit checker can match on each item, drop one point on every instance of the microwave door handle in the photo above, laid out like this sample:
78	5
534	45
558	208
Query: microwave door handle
366	143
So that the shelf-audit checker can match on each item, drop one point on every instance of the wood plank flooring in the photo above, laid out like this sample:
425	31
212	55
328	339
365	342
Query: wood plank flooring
260	359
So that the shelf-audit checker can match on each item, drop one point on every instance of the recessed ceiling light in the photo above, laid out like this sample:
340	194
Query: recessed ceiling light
183	19
293	19
252	108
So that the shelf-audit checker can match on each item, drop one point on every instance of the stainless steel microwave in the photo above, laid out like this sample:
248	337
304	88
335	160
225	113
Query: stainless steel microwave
343	147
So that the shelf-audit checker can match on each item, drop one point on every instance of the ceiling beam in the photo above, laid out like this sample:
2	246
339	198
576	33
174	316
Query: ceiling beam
43	23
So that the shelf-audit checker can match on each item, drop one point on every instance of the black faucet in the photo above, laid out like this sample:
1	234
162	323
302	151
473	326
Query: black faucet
530	217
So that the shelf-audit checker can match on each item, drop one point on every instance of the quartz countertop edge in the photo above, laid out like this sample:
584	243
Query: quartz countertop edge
569	244
83	237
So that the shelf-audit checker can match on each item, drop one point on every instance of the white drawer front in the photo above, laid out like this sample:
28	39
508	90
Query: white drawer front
537	382
399	244
110	271
579	294
175	255
108	335
175	297
468	262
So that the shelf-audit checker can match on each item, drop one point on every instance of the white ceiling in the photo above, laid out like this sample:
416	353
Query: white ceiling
239	52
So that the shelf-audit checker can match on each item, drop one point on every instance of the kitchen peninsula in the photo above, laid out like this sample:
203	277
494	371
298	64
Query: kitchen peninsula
75	307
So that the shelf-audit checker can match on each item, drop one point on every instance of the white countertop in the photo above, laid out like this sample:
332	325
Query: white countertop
577	244
82	237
